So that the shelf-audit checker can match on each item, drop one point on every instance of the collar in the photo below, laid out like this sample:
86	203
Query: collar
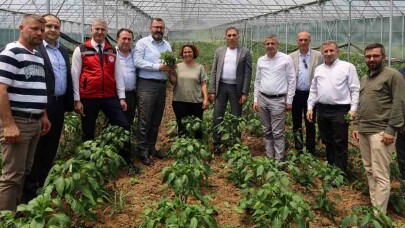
376	73
121	54
307	55
46	44
150	39
334	63
95	44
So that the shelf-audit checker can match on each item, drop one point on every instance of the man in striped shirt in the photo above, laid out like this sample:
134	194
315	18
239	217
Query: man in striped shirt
23	100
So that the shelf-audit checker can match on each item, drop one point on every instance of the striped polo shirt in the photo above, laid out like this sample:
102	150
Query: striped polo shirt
23	71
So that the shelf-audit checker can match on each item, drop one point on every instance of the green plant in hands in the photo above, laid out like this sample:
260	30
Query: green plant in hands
169	58
176	213
186	179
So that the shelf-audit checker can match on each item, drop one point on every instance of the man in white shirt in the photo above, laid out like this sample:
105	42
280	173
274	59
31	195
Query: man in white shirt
335	91
230	80
273	95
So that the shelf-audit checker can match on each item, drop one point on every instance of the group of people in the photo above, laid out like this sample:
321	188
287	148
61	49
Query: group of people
38	85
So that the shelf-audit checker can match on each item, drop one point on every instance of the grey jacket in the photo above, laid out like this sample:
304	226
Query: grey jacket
316	60
243	70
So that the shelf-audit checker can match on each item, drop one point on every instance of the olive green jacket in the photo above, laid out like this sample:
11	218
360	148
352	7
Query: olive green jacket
381	102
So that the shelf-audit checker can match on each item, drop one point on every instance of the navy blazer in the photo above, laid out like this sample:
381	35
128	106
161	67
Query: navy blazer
50	77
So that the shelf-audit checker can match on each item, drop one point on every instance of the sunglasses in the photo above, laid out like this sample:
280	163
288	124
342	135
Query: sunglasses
305	63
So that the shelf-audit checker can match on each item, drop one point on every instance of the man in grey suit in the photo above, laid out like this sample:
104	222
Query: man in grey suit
305	61
230	79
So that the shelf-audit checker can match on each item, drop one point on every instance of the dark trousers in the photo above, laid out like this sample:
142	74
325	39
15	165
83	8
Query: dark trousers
130	98
184	109
151	96
226	92
400	146
333	129
45	152
109	106
299	111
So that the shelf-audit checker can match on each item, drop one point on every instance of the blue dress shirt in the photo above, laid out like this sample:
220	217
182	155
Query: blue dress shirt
304	80
128	70
59	68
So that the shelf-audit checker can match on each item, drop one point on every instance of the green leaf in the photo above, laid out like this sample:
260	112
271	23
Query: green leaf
260	170
60	185
193	222
37	222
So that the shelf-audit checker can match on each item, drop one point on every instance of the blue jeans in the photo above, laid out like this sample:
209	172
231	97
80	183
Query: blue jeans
226	92
151	100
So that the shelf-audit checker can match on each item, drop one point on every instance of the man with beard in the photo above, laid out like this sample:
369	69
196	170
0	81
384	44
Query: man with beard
380	116
60	100
230	80
273	95
23	101
335	91
151	93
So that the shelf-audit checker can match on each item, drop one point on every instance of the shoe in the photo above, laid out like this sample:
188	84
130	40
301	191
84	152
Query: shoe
133	169
157	154
146	161
217	151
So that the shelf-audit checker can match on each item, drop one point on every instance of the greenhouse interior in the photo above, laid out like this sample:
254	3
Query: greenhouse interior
353	23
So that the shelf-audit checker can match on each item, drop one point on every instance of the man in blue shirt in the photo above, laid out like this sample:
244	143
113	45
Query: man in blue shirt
151	91
60	100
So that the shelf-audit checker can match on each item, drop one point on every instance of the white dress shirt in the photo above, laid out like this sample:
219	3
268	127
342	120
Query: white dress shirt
77	69
275	76
335	84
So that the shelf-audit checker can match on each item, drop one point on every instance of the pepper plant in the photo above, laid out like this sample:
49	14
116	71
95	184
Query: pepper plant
230	129
365	216
190	151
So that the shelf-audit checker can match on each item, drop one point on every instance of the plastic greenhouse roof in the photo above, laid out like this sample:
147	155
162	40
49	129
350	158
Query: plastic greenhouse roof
200	14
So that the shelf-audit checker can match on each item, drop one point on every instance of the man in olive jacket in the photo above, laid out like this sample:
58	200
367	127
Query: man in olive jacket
380	115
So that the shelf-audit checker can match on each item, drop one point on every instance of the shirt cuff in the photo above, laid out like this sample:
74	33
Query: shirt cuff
156	66
390	130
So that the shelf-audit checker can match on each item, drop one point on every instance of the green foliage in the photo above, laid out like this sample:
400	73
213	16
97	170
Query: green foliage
275	205
365	216
169	58
192	125
189	151
230	129
176	213
114	136
71	136
186	179
116	205
397	201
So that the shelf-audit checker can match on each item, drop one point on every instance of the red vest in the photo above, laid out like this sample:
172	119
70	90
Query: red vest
97	81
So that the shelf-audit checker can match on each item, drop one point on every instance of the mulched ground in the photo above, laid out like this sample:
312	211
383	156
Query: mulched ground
147	188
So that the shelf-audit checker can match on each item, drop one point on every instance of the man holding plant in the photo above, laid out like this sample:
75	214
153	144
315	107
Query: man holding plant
380	116
335	91
151	91
230	80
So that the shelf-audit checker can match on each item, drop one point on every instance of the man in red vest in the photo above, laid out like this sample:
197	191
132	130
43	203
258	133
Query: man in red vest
98	83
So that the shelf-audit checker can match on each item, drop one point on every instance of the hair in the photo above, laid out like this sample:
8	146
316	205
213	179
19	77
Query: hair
271	36
99	20
303	31
376	45
232	28
194	48
36	17
156	19
52	15
125	30
329	42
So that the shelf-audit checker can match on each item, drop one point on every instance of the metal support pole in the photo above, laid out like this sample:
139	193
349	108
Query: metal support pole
381	32
349	36
14	26
403	31
286	32
82	21
390	33
364	32
48	6
116	14
302	18
126	15
322	18
336	31
103	9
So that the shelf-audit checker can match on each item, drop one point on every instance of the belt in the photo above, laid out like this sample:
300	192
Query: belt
55	98
273	96
35	116
154	80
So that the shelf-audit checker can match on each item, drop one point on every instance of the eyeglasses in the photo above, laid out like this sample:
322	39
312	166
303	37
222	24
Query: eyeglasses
158	27
305	63
373	56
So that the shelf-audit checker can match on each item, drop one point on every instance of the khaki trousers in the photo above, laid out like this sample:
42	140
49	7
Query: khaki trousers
17	161
376	160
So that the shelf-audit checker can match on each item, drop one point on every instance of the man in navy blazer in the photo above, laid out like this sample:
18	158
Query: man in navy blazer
230	79
60	100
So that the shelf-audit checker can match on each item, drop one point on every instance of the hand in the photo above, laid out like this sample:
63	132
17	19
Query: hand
310	114
165	68
352	113
123	104
11	134
255	107
288	107
211	97
46	124
243	99
355	135
79	108
205	104
387	139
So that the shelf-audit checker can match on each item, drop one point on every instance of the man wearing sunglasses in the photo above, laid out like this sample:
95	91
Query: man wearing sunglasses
305	61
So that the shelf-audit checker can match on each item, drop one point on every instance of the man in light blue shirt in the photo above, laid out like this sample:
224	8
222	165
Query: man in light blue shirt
151	93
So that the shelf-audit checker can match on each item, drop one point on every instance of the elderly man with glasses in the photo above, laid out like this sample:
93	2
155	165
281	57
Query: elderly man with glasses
305	61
